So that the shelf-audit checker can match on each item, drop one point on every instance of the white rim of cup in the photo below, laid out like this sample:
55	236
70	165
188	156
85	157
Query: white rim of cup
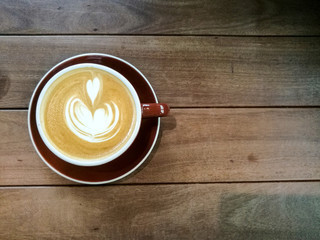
94	162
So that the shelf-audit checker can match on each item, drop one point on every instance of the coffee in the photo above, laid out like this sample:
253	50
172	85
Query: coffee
88	114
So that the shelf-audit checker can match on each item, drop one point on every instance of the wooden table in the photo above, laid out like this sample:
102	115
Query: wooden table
239	156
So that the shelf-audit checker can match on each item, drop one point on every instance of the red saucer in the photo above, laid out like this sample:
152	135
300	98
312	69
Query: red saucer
128	161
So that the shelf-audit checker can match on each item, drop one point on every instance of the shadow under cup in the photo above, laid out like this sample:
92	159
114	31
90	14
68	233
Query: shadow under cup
132	158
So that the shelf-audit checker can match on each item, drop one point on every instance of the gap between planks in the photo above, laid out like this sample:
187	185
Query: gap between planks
160	183
200	107
154	35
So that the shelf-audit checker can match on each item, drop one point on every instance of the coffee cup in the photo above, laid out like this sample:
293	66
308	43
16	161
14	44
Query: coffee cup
88	114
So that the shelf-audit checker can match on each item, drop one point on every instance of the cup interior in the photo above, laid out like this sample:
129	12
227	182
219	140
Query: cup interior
91	162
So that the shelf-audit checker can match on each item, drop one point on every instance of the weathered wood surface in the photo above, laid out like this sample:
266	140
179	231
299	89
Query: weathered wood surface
216	173
205	17
184	71
196	145
184	211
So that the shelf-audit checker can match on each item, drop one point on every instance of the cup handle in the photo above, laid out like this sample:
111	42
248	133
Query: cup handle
154	110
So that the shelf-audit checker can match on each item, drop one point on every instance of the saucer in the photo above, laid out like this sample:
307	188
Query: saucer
130	160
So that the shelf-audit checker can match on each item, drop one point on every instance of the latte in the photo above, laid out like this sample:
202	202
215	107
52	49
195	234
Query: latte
87	114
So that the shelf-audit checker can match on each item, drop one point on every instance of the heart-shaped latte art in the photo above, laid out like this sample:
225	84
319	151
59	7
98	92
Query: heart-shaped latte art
96	126
93	88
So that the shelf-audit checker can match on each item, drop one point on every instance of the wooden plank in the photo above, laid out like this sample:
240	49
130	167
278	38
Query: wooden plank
197	211
185	71
195	145
205	17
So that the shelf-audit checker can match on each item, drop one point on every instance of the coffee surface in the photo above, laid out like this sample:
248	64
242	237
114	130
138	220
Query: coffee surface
88	114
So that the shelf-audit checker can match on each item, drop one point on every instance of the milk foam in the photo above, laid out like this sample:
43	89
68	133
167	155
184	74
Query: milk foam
98	125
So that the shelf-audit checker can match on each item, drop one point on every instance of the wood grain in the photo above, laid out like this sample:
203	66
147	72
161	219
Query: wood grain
197	211
196	145
184	71
205	17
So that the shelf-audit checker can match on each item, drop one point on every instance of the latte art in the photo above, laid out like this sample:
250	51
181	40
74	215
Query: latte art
88	114
96	125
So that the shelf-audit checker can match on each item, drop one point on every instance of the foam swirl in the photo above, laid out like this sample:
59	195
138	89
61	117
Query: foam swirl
98	125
